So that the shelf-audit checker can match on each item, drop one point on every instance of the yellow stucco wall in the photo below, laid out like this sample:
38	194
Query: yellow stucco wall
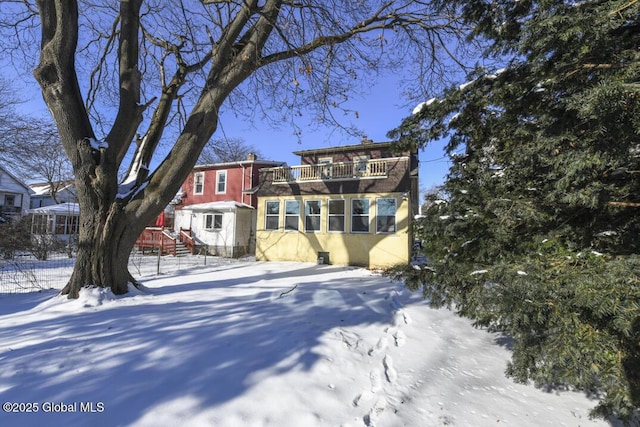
374	250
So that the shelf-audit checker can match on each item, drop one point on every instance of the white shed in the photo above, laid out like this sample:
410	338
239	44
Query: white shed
223	228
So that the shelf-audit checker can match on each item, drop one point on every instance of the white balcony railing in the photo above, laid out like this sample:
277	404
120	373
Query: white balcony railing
329	171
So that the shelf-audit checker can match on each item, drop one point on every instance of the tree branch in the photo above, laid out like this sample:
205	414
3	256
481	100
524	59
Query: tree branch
625	204
57	76
130	112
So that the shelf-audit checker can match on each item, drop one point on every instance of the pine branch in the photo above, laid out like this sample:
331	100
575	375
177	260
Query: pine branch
625	204
626	6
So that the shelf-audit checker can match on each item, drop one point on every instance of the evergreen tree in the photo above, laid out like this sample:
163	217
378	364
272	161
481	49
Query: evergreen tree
539	233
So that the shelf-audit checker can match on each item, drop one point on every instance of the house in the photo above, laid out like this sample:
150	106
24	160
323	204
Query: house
226	228
223	182
59	221
65	192
348	205
215	208
15	196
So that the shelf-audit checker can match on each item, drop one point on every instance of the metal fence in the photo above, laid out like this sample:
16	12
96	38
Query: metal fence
24	273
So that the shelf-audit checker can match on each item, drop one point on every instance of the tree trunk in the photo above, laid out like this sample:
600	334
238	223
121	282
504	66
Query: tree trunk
105	241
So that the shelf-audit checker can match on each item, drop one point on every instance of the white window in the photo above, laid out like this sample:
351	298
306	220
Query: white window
221	182
213	221
312	210
360	215
272	215
291	215
198	183
386	215
336	215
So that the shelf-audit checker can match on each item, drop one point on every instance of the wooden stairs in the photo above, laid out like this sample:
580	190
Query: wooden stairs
166	241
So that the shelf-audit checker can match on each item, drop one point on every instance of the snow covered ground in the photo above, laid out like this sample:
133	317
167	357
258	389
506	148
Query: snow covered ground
249	344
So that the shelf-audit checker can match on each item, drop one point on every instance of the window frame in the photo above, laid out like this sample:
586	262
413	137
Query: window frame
334	215
213	221
60	226
196	183
354	214
308	216
395	215
221	173
291	215
268	215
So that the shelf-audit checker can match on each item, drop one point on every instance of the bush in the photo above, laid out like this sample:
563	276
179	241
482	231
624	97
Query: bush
15	236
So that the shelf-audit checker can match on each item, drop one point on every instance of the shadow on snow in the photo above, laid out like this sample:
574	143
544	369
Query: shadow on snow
139	352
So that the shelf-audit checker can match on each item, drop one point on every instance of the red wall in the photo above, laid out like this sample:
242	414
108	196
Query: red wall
236	176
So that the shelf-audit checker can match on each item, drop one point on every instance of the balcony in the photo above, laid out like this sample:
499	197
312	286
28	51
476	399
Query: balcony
332	171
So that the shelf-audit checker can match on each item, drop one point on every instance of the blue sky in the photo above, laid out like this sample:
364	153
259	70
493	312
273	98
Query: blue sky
381	110
378	112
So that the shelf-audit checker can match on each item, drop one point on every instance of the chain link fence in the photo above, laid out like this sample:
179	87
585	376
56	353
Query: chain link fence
23	272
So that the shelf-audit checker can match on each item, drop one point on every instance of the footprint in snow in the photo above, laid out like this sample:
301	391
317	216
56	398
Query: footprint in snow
363	397
376	381
389	370
371	418
350	339
400	338
401	317
380	346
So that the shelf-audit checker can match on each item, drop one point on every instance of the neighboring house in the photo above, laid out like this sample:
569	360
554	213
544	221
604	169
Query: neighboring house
223	182
349	205
60	221
41	197
226	228
216	206
15	196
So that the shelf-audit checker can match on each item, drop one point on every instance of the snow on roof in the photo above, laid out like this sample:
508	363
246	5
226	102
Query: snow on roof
62	208
43	188
40	189
237	163
212	206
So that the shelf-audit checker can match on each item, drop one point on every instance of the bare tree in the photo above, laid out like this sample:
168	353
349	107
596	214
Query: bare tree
33	149
30	147
8	100
226	150
175	65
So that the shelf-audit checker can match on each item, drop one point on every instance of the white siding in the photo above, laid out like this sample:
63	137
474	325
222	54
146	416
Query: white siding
11	186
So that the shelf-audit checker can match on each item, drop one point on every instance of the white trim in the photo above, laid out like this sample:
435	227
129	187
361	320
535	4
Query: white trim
220	173
319	216
195	183
368	215
344	215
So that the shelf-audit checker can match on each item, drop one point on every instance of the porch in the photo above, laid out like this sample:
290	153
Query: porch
153	239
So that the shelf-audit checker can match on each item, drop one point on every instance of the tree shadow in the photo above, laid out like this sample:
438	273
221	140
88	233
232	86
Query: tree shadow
139	352
17	302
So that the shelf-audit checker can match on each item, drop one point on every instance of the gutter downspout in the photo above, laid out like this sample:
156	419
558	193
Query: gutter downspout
243	182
